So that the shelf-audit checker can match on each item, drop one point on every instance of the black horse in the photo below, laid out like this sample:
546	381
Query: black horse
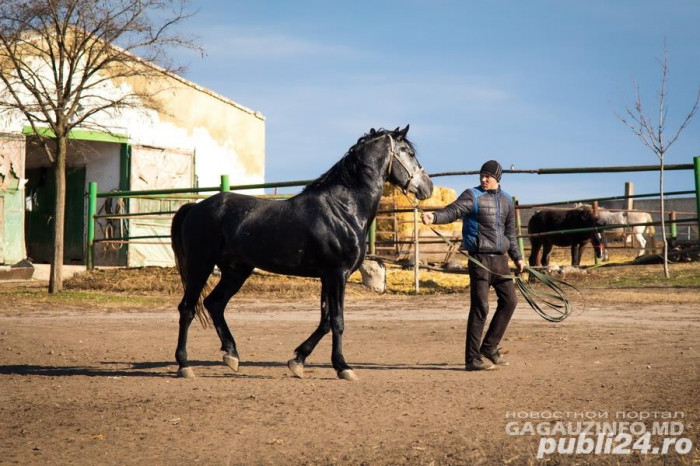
320	232
556	221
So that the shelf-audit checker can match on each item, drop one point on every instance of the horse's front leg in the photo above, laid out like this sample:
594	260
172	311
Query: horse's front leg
604	245
575	255
296	365
335	284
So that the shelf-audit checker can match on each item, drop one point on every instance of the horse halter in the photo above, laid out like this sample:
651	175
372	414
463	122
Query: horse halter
600	239
394	155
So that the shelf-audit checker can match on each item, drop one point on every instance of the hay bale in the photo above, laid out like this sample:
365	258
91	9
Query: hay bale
404	224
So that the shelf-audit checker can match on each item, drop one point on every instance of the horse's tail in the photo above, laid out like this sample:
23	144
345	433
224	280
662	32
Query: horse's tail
181	260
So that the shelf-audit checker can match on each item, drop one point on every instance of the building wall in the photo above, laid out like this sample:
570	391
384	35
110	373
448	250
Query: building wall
12	246
225	139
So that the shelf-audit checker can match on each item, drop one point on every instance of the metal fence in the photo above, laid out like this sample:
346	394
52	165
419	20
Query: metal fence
181	195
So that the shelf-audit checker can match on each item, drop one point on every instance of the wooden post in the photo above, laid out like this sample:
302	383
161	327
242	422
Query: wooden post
519	226
416	266
629	191
596	261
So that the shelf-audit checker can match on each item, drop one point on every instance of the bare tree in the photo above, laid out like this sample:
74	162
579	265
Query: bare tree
652	134
57	58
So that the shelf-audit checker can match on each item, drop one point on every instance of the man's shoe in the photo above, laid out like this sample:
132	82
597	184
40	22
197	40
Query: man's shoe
479	365
495	358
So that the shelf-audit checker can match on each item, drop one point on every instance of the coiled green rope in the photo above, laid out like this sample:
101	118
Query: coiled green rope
554	299
552	305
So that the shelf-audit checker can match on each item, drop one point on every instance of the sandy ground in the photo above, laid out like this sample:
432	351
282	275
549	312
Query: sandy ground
98	386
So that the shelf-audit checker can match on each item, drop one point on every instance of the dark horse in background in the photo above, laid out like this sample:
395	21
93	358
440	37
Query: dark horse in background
320	233
556	221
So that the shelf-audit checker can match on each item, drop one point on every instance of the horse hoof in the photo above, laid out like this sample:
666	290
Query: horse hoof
296	367
231	361
348	374
185	373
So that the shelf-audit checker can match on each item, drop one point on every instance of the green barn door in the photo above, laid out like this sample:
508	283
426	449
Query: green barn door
41	197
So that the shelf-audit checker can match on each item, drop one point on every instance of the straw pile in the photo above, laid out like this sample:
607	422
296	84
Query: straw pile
438	252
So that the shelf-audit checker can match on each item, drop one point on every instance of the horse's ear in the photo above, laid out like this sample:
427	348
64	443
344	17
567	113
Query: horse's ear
402	133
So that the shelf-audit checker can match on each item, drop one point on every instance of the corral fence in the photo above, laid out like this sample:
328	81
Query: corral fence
144	218
140	224
681	223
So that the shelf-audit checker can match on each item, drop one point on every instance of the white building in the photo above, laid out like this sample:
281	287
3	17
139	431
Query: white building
195	137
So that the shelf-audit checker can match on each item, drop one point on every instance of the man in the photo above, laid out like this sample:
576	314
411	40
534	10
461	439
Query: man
488	234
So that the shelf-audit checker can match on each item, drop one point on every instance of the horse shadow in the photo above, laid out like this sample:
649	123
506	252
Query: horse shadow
166	369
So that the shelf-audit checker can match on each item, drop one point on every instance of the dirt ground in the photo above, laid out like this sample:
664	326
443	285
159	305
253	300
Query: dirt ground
83	385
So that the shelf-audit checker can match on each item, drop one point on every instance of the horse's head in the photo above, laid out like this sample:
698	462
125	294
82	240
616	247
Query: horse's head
404	170
597	237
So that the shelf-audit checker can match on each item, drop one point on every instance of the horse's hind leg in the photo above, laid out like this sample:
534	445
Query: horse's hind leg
642	244
232	278
193	290
535	244
546	252
296	365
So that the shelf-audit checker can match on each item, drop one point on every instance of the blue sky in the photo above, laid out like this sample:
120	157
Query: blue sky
533	84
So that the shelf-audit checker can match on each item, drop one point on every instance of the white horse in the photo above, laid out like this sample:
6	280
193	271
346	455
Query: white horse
626	218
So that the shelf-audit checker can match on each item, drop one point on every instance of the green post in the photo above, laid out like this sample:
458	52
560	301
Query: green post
92	210
225	186
373	237
696	162
673	226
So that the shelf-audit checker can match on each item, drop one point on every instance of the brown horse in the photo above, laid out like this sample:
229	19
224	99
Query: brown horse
549	228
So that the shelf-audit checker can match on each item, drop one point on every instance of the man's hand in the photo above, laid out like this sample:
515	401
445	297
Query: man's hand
520	265
427	217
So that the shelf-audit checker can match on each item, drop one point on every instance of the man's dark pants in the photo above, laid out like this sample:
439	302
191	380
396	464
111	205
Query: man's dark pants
480	281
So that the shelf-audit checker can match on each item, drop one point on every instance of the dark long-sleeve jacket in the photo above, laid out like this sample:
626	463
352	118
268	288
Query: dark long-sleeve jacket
488	221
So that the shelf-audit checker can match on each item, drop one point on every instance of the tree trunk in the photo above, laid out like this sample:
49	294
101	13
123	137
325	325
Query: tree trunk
56	273
667	274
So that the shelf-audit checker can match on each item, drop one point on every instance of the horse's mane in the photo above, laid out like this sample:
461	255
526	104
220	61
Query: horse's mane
584	212
586	215
352	168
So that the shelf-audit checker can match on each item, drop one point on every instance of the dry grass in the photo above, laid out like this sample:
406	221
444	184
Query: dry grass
614	282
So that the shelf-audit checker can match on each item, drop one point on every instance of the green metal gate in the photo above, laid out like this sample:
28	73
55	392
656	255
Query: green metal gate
41	199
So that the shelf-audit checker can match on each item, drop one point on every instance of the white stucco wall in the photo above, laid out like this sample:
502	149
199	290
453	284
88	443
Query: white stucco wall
225	137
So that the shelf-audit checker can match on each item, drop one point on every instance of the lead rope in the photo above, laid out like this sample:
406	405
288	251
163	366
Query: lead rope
556	299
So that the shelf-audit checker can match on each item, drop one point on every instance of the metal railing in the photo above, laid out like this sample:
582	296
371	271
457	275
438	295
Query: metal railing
190	193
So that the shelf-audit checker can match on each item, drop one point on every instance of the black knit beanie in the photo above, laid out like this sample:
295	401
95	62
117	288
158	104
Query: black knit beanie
492	168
